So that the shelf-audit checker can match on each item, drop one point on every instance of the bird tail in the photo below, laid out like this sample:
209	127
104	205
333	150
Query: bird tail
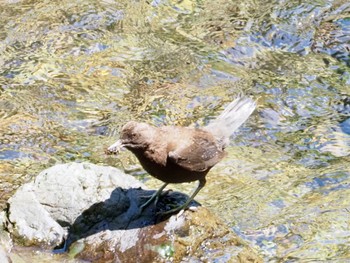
233	116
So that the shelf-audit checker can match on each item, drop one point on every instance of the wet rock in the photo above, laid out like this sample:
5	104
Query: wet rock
93	213
192	236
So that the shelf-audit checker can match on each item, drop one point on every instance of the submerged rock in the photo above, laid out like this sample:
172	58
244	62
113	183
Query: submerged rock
92	213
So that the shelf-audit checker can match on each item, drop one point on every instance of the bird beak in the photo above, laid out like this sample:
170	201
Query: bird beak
115	147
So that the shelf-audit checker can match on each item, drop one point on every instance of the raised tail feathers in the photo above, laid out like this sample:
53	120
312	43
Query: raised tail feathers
233	116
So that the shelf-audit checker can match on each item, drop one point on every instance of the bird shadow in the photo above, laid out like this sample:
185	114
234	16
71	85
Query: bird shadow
121	211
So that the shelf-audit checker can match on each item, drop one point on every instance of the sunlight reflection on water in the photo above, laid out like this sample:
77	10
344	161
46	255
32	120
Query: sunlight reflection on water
72	74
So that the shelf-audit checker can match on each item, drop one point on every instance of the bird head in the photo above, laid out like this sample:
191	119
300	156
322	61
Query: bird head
134	135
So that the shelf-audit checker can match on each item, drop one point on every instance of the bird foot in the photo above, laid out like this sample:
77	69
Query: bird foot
154	197
171	211
193	208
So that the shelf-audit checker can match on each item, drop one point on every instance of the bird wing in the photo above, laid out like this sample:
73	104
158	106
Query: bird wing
198	156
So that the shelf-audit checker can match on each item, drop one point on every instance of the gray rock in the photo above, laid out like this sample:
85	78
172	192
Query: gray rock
30	221
39	211
3	255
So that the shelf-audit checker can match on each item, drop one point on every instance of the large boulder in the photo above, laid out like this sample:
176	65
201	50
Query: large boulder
92	212
40	212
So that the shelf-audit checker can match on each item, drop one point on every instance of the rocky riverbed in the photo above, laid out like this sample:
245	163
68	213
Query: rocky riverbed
91	213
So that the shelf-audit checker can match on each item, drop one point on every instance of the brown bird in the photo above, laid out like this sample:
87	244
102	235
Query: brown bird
175	154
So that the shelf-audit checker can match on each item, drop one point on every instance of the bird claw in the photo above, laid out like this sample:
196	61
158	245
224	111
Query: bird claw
164	193
193	208
182	211
172	211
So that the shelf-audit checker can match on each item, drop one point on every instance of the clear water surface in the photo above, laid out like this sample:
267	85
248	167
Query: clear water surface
73	72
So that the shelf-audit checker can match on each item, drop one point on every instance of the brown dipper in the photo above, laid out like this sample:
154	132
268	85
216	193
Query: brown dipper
175	154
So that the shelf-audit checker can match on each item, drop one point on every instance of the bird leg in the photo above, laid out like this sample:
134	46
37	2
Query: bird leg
154	196
184	206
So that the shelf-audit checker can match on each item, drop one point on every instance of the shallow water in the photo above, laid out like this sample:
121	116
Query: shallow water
72	72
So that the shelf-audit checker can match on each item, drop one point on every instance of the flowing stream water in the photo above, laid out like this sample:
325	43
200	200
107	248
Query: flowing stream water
73	72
